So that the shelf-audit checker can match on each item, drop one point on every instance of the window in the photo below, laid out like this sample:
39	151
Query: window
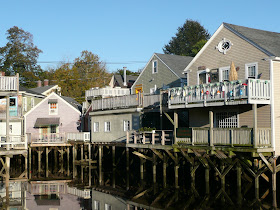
226	120
251	70
108	206
96	127
153	90
224	73
53	128
32	103
53	108
184	81
24	104
107	126
155	67
126	125
96	205
202	77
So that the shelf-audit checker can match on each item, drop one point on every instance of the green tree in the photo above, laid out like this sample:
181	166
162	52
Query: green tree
20	55
86	72
128	72
186	38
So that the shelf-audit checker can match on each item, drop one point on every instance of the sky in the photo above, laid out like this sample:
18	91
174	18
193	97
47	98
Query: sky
124	32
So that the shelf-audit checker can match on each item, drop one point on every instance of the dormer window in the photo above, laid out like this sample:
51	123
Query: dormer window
251	70
53	107
155	67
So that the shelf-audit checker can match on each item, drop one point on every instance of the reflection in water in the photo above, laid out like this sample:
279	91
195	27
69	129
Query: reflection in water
70	186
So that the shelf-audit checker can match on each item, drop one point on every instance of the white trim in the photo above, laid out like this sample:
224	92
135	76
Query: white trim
249	65
24	100
53	111
153	68
94	127
202	72
272	105
105	126
52	94
221	69
126	128
226	110
204	47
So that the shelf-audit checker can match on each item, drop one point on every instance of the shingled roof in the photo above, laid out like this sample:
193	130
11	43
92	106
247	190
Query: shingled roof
176	63
42	89
130	79
267	41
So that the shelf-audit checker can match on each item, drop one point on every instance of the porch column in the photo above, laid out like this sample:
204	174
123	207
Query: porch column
211	124
175	125
8	121
255	125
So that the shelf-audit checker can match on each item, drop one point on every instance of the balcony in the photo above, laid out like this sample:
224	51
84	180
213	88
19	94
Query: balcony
9	83
252	91
107	92
15	142
128	101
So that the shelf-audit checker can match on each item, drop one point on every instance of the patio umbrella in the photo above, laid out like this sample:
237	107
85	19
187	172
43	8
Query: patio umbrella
232	72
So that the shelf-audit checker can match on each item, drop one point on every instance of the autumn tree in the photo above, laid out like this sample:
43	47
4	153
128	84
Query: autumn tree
85	72
188	36
20	55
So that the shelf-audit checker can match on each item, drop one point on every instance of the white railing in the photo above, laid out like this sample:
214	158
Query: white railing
48	138
255	90
229	137
8	83
78	192
15	142
45	188
107	91
79	136
13	113
163	137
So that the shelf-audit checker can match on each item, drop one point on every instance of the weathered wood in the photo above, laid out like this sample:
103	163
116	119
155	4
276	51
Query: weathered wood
142	155
157	153
266	162
168	117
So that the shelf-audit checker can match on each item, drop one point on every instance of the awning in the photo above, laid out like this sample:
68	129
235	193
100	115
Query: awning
51	101
41	122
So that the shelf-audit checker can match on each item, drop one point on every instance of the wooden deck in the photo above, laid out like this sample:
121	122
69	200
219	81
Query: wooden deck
252	91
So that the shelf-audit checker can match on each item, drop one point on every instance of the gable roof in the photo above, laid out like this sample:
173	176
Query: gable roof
129	79
72	102
176	63
23	89
43	89
266	41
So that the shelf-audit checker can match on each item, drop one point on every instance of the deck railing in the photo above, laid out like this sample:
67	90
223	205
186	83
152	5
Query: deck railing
8	83
108	91
48	138
229	137
79	136
13	113
15	142
127	101
85	193
162	137
255	90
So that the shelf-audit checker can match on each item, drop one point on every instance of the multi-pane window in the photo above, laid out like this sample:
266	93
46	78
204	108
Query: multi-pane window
126	125
108	206
226	120
96	127
107	127
251	70
32	102
53	108
155	67
96	205
24	104
53	128
225	74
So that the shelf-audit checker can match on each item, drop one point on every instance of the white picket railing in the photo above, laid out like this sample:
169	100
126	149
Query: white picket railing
48	138
107	91
79	136
85	193
15	142
255	90
8	83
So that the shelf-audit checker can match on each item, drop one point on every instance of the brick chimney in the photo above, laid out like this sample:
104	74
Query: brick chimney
39	83
46	82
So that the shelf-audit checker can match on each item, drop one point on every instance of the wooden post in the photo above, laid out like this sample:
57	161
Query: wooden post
82	152
100	149
274	182
255	125
68	161
153	137
176	168
114	156
164	170
160	108
8	122
55	157
211	123
127	159
239	195
175	126
89	151
47	162
257	184
7	180
30	165
141	166
154	168
162	137
39	159
135	137
207	189
127	137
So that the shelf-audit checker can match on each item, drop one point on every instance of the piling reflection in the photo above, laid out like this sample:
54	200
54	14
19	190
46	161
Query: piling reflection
128	183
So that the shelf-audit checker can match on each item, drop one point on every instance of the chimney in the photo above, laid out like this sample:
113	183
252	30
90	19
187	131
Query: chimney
46	82
39	83
124	76
2	73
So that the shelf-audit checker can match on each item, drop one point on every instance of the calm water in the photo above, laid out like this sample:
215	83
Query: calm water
64	185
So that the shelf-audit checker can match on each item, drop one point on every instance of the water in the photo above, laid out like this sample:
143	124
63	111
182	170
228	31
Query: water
64	185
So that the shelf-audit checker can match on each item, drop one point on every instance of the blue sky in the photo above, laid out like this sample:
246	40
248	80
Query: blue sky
123	33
